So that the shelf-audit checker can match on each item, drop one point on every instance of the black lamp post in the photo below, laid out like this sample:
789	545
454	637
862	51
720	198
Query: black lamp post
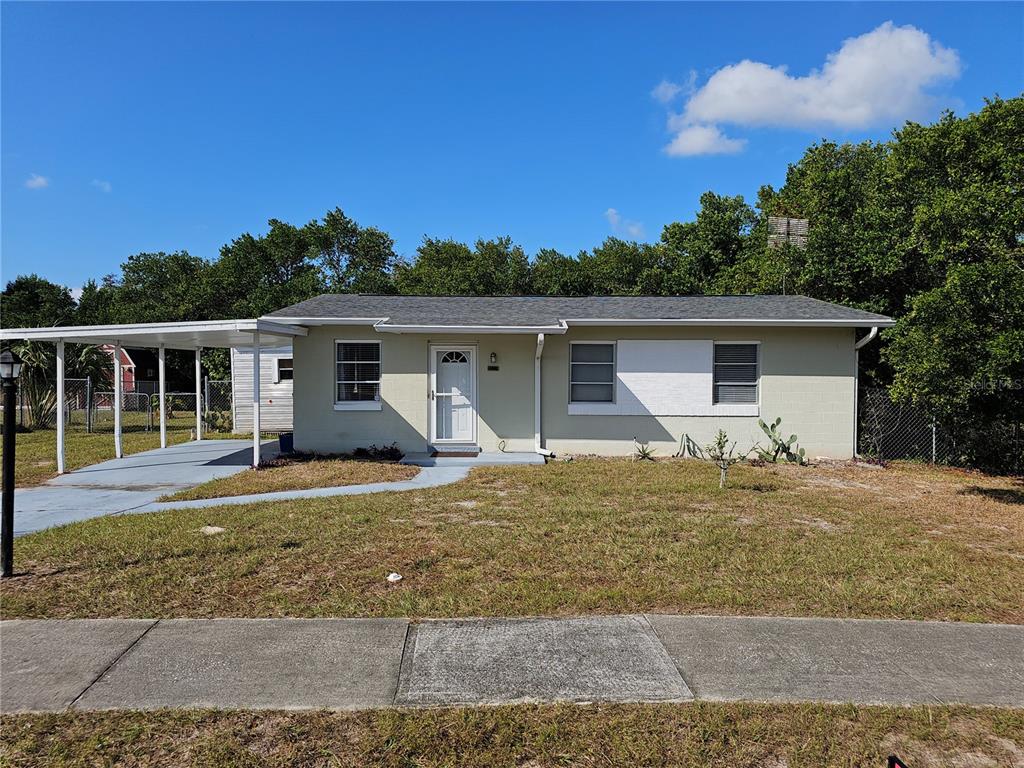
10	369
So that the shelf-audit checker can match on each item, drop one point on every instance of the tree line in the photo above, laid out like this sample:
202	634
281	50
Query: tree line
927	227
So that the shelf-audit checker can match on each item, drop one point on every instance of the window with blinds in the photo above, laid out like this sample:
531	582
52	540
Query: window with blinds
285	369
591	372
735	373
358	371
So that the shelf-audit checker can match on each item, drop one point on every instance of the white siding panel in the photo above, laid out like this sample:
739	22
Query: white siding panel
664	378
275	397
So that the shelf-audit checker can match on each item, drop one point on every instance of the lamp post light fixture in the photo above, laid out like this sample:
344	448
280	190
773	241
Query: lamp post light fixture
10	370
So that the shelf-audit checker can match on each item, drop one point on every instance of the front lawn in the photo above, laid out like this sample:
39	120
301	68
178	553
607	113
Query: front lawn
586	537
698	735
290	473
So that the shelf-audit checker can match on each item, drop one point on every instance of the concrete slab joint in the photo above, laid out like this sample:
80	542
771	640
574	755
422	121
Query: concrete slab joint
47	665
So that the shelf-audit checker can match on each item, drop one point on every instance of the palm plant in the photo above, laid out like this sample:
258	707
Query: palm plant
39	374
642	451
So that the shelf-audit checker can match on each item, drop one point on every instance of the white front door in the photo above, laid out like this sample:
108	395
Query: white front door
453	389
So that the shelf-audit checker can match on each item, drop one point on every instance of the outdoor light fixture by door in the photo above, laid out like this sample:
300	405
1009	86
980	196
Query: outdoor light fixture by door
494	358
10	370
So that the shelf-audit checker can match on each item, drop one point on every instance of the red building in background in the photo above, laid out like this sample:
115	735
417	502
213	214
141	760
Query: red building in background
127	368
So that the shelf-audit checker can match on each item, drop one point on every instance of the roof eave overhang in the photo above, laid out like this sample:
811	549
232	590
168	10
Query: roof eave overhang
381	324
310	321
740	322
474	329
183	335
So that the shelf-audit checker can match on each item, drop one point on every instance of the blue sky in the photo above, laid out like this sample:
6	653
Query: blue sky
134	127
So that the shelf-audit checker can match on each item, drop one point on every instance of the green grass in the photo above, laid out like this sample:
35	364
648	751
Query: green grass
700	734
587	537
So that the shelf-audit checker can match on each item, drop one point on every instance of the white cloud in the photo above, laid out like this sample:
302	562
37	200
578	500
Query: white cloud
103	186
703	140
665	91
76	293
619	225
881	77
35	181
635	230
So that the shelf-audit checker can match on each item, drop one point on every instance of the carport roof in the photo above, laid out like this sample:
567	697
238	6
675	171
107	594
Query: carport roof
183	335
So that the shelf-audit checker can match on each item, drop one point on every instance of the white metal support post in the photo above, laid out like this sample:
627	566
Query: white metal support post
537	444
256	398
199	389
118	383
60	407
162	374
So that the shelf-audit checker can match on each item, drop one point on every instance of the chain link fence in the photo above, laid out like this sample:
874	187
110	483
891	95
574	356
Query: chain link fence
89	407
889	430
218	412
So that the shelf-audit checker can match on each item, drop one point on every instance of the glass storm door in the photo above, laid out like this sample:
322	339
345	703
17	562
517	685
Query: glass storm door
454	410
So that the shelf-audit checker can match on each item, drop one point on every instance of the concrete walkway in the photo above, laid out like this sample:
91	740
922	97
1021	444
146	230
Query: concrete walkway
433	472
133	484
364	663
123	485
427	478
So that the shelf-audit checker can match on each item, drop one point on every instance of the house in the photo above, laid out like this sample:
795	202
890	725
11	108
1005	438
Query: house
146	365
138	368
276	372
463	374
576	375
127	366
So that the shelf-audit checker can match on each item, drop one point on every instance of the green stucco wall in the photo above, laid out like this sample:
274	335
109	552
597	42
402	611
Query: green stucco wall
807	378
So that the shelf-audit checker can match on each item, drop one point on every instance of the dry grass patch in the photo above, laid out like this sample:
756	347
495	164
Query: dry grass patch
587	537
698	734
298	472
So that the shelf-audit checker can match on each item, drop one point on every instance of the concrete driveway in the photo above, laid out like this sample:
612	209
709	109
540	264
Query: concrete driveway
121	485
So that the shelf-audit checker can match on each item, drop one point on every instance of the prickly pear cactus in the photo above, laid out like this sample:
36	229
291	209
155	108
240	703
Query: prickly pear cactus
780	446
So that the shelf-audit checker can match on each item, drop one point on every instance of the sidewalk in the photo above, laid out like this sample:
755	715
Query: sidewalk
362	663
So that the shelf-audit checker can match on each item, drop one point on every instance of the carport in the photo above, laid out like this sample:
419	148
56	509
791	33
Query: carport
192	335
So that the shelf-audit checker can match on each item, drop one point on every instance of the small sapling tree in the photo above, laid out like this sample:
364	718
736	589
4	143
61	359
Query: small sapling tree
724	455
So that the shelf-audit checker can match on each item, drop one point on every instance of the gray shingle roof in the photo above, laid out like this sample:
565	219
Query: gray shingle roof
549	311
